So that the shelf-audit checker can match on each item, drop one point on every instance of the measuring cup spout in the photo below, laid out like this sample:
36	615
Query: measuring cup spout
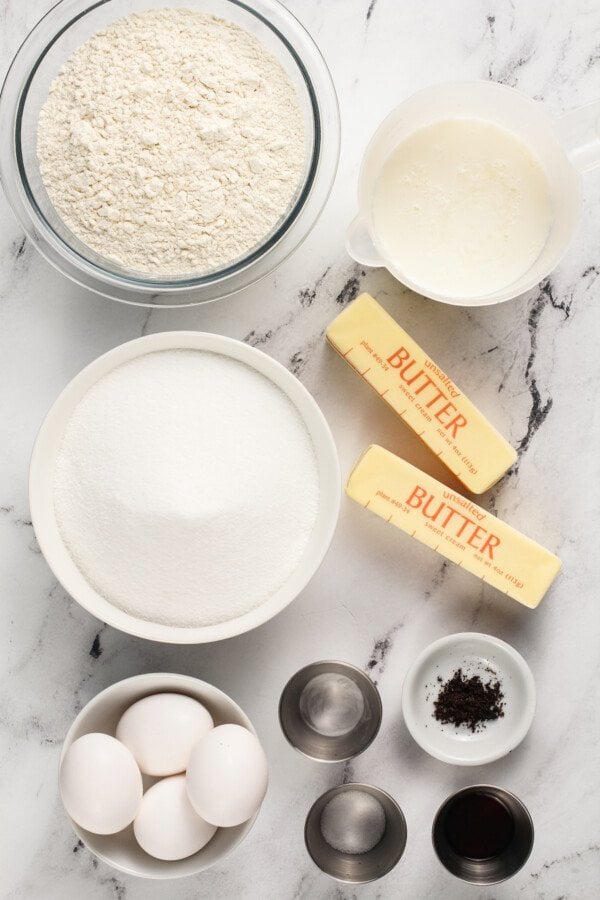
579	132
360	245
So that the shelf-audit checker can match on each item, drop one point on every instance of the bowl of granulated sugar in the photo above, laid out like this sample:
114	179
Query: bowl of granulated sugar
184	487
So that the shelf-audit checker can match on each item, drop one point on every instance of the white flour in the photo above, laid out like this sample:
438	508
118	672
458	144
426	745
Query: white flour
186	487
172	142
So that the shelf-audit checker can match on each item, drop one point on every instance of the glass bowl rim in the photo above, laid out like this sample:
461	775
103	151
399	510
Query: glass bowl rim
105	281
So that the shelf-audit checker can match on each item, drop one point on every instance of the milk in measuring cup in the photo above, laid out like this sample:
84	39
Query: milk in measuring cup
461	207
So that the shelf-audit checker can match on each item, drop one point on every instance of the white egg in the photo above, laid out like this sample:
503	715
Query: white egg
227	776
100	784
167	826
161	730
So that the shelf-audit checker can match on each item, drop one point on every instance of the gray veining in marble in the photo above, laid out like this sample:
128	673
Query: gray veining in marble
378	599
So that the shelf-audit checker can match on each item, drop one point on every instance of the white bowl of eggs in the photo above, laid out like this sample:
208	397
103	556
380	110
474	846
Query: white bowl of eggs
162	775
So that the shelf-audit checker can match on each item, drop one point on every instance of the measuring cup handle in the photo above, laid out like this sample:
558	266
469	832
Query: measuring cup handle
359	244
579	132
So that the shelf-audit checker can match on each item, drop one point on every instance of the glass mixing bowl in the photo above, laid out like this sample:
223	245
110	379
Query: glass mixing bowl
68	25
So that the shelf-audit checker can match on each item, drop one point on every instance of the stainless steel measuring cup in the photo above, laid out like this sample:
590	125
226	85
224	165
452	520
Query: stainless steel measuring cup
493	869
330	711
357	868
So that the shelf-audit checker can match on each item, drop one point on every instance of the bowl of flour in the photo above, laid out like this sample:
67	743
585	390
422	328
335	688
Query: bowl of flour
184	487
168	155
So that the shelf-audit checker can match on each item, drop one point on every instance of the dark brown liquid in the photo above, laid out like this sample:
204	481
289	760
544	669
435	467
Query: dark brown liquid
477	826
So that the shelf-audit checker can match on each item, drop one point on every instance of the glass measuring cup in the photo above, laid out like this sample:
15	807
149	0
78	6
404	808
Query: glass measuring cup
565	147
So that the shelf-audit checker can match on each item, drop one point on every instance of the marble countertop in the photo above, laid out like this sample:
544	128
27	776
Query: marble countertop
378	599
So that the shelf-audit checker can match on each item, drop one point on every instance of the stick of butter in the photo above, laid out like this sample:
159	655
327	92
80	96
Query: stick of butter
447	522
421	393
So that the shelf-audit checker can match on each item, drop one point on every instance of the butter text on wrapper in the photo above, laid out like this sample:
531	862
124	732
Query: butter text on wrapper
452	525
421	393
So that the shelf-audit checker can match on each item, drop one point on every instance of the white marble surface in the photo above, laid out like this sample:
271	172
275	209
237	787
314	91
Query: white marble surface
378	599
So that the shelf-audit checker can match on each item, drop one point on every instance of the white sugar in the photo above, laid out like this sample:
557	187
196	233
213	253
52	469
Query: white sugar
186	487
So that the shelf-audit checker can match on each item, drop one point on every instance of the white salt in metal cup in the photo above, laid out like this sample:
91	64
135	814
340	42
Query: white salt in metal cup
565	147
356	868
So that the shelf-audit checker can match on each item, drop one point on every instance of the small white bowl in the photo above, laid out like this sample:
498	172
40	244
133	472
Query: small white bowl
472	653
121	851
41	499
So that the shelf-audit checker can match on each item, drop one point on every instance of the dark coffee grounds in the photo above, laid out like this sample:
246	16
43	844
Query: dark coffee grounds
467	700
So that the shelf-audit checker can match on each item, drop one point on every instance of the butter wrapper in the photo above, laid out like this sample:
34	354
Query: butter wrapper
421	393
452	525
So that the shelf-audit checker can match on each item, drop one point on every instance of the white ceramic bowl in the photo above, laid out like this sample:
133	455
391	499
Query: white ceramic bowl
473	653
41	491
121	851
